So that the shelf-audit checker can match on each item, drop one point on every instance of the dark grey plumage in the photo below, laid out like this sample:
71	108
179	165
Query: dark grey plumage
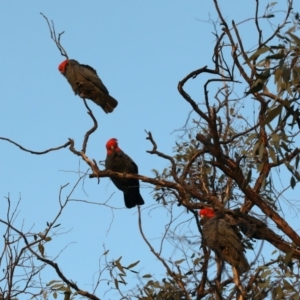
118	161
86	83
224	240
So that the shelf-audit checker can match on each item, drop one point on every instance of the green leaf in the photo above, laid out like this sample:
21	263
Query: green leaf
281	64
297	161
177	262
277	75
276	56
278	292
53	281
122	279
147	276
41	249
105	252
285	147
264	284
287	285
119	259
133	264
286	74
288	258
295	38
190	272
116	284
275	137
272	4
197	261
273	114
118	265
293	182
55	295
59	286
295	296
251	137
264	75
261	268
256	147
256	86
257	53
277	47
260	167
265	273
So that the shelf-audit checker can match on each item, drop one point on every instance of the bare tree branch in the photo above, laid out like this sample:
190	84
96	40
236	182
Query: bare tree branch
54	37
36	152
93	129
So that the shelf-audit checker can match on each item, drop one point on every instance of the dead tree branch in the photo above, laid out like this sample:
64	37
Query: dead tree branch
56	38
90	131
36	152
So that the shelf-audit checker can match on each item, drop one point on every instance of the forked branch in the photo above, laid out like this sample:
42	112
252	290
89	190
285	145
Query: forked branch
56	38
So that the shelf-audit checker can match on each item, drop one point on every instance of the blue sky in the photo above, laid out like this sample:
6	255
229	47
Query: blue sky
141	50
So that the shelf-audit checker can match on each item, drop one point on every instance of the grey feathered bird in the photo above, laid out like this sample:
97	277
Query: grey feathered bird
86	83
223	239
118	161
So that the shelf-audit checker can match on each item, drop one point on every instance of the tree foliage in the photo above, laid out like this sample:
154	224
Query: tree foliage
230	156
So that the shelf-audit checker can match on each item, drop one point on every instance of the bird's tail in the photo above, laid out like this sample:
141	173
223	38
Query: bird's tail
243	265
107	102
133	198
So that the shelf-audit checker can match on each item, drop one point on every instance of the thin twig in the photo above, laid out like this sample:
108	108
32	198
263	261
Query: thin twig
36	152
169	271
90	131
56	39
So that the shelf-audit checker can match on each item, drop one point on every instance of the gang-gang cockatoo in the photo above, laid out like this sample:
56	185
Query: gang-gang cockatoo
86	83
224	239
118	161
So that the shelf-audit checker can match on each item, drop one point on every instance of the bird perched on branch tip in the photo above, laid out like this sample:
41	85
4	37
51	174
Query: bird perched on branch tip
86	83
